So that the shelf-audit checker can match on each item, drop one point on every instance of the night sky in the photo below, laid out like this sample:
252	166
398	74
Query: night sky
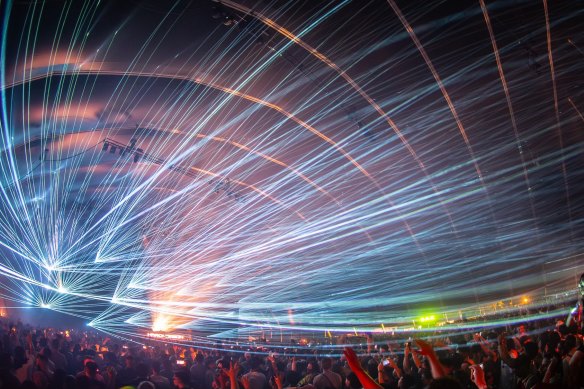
303	165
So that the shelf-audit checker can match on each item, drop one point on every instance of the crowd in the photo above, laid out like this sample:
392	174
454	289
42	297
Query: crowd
535	354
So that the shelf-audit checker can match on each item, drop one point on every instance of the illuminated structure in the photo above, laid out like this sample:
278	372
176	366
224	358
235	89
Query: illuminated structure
334	169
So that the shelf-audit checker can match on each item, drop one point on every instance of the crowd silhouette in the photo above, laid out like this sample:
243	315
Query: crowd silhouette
541	353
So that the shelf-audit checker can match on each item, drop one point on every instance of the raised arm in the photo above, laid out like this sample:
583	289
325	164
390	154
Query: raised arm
232	374
355	365
272	361
370	343
397	370
416	359
486	346
503	352
407	365
427	350
380	373
477	376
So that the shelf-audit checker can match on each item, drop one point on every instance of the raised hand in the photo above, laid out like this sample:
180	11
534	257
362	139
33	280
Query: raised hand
278	381
477	376
245	382
435	365
416	358
424	347
232	373
355	365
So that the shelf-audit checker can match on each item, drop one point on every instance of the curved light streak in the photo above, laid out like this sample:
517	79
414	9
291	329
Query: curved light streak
556	108
199	81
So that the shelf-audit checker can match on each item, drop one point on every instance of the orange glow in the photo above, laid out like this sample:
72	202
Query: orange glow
275	107
323	58
161	323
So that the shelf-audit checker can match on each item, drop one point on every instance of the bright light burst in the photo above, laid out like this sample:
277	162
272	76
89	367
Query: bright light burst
339	168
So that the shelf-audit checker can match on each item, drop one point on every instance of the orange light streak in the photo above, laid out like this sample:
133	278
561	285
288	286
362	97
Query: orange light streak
270	23
291	117
199	81
323	58
508	98
422	51
557	111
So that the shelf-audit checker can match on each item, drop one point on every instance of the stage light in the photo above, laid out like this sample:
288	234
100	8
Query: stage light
46	306
105	146
62	289
113	150
160	324
428	319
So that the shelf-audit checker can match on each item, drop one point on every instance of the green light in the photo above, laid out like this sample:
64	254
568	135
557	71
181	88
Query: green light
428	319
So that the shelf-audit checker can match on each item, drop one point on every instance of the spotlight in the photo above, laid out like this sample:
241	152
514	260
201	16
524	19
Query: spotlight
228	21
113	150
219	13
161	324
105	146
47	306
